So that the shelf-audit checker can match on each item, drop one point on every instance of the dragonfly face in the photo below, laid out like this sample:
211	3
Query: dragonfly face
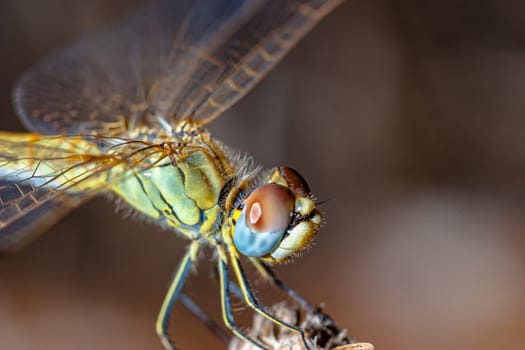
277	219
123	111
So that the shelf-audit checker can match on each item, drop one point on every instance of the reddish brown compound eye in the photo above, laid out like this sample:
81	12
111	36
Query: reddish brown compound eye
269	208
296	182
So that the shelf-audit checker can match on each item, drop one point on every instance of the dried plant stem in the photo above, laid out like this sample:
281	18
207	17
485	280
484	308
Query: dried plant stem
321	331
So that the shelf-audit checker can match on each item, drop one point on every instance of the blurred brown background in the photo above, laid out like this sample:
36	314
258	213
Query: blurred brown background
408	116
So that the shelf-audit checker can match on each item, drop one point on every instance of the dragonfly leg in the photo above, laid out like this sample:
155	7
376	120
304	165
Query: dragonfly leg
227	313
173	292
204	318
268	274
252	302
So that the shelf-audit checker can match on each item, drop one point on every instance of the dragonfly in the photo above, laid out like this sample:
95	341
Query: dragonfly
123	112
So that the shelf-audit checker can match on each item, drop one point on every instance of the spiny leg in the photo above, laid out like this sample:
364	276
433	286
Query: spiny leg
227	314
252	302
173	292
234	288
204	318
268	274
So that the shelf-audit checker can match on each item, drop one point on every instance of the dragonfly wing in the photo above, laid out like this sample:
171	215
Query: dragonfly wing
243	55
43	178
173	60
24	217
104	79
35	176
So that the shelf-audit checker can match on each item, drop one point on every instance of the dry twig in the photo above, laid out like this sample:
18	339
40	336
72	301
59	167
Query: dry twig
320	329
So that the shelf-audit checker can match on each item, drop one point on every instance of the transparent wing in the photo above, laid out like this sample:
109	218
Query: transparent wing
172	60
27	211
43	178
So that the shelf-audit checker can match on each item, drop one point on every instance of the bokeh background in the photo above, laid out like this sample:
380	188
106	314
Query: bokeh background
407	116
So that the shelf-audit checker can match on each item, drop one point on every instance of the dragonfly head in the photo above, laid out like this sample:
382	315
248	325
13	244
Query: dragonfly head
277	219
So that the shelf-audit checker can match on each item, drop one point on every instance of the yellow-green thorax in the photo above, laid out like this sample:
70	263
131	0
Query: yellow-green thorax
180	186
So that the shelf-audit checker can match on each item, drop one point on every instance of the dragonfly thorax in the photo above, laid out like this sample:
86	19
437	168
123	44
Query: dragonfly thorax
180	184
196	185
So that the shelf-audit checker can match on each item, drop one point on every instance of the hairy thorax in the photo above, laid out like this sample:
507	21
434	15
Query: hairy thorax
180	182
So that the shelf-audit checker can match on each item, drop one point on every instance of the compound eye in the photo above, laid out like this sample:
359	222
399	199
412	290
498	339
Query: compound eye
295	181
269	208
263	221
